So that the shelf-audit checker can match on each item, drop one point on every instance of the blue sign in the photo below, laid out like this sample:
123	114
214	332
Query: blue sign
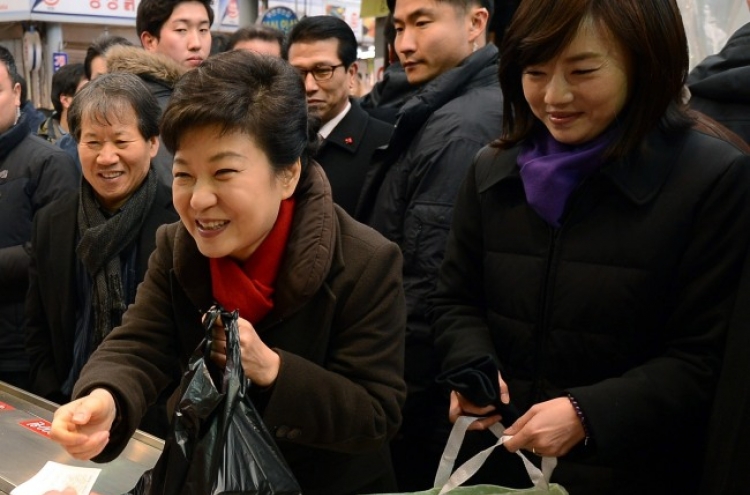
58	60
281	18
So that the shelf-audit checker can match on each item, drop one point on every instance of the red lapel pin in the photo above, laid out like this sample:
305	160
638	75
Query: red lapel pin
348	140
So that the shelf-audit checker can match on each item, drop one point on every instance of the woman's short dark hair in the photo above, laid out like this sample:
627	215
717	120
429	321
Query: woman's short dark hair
259	95
111	94
651	33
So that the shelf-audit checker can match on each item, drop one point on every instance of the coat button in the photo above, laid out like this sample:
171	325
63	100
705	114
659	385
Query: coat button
282	431
294	433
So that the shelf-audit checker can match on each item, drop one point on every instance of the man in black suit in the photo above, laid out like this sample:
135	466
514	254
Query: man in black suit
324	50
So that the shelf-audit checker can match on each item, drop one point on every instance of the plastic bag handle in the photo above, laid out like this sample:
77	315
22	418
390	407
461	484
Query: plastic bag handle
233	371
447	481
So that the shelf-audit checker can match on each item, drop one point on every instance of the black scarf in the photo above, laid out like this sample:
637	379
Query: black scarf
103	238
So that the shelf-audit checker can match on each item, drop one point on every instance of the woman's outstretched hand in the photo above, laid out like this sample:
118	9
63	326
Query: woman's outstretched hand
82	426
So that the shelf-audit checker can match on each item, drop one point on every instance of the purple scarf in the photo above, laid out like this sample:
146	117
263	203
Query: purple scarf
551	170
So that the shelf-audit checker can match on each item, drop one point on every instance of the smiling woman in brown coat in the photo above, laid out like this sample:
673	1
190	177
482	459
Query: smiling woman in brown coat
319	295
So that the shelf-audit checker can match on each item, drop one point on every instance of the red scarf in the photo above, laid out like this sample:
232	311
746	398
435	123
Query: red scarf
249	287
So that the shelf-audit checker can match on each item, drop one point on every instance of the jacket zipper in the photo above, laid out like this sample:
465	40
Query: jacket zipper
542	330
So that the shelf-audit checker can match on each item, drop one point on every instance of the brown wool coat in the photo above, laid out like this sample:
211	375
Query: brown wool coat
338	324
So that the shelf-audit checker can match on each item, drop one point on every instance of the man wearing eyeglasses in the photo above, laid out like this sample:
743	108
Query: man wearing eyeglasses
324	51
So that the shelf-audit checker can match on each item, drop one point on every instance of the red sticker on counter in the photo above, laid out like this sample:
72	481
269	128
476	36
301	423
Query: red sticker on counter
37	426
6	407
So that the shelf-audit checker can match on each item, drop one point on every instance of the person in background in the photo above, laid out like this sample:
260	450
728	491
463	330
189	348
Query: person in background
408	195
595	252
219	43
176	37
33	173
720	85
102	236
319	295
728	448
94	63
259	39
34	116
66	82
178	29
324	51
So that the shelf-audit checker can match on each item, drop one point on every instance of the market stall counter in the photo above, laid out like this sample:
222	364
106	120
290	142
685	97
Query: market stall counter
25	446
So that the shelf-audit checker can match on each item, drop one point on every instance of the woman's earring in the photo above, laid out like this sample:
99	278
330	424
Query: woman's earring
18	115
474	47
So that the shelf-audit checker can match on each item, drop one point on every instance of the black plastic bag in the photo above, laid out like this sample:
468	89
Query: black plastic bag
218	442
477	381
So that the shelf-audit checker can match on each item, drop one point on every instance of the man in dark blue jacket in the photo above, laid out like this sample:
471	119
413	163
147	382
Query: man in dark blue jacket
33	172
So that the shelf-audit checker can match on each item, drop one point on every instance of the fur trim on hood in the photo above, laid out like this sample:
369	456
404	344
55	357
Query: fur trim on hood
148	65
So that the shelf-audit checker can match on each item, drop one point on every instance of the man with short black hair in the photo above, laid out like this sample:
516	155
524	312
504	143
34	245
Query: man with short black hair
65	84
409	196
324	51
179	29
176	37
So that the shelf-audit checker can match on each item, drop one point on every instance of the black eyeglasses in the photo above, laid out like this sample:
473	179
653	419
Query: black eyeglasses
319	72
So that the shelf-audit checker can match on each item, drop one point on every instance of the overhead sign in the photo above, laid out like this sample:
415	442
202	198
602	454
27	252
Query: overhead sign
281	18
11	8
97	8
117	12
59	59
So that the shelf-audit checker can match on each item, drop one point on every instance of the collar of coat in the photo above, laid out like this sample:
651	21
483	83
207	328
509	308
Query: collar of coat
148	65
350	132
311	251
477	70
639	176
13	136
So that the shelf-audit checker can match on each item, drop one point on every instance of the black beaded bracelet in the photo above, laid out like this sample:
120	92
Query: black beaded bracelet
581	417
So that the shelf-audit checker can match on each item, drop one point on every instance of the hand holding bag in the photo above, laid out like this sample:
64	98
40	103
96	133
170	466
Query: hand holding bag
218	443
477	380
449	481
